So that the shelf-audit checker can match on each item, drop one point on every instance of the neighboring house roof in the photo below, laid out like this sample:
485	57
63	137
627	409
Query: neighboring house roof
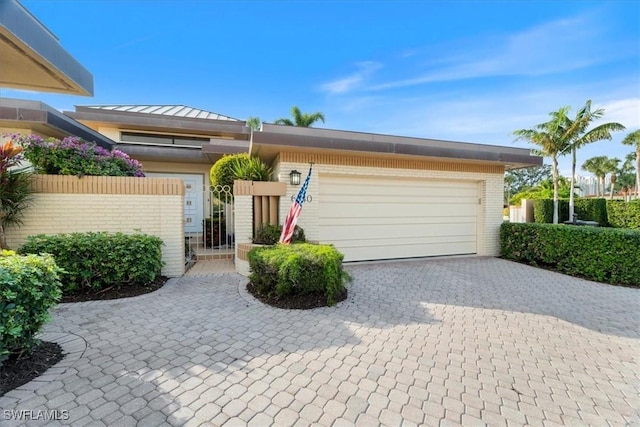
31	56
276	138
158	118
165	110
226	134
46	120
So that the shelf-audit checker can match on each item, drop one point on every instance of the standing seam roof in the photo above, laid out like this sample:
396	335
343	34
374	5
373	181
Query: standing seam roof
164	110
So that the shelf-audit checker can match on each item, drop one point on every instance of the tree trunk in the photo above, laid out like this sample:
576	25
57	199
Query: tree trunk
3	238
555	189
573	179
613	180
638	173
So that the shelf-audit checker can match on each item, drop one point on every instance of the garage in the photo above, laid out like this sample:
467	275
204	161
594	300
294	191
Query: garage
373	218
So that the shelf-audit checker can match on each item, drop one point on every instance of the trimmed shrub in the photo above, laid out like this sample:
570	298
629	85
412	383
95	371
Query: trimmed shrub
30	287
603	254
587	210
269	234
543	211
624	214
298	269
592	210
94	261
75	156
222	171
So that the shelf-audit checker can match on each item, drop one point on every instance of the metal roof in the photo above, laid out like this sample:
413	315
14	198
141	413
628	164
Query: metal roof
164	110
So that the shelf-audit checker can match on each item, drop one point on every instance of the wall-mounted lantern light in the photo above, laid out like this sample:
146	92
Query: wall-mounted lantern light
294	177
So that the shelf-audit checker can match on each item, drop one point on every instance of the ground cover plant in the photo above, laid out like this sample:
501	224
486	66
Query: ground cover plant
602	254
298	275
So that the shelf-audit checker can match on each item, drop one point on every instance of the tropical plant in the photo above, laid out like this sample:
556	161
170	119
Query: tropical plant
301	119
254	123
251	169
239	166
634	139
600	166
15	188
550	137
518	180
544	190
611	167
627	175
577	136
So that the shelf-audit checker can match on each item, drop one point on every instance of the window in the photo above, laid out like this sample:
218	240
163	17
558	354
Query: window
160	139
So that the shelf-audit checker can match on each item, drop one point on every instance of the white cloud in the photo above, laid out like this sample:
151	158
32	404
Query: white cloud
553	47
352	81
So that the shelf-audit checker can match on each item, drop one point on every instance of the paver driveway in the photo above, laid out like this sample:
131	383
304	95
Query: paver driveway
435	342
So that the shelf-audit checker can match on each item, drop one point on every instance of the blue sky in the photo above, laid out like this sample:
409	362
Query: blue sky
470	71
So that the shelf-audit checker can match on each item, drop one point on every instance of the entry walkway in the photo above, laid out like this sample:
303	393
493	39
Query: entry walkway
440	342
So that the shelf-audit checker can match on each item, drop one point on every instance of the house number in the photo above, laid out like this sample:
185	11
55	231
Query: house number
306	199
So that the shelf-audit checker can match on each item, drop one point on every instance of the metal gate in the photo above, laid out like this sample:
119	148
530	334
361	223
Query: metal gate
214	238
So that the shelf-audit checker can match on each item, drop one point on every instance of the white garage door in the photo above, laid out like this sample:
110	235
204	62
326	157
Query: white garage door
370	218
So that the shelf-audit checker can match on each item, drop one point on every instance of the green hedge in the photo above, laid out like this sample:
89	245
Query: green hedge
624	215
30	287
269	234
592	210
587	210
602	254
298	269
94	261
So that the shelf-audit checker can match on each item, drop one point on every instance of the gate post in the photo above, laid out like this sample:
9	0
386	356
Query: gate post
243	221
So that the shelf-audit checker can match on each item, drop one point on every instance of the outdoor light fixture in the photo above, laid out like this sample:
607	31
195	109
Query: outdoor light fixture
294	177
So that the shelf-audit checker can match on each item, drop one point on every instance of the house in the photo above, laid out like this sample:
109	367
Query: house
171	141
372	196
387	197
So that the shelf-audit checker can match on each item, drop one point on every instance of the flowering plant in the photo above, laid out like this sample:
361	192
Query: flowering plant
75	156
15	188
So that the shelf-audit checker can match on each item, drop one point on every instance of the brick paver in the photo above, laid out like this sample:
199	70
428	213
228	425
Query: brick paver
435	342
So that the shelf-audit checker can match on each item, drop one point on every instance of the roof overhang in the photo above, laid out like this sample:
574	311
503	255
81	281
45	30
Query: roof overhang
43	119
32	57
273	139
158	122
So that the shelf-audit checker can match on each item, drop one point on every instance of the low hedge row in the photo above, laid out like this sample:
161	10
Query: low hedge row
97	260
30	287
298	269
624	215
587	210
603	254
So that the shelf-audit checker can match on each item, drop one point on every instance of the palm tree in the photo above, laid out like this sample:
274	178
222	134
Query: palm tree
611	167
577	137
550	137
597	166
634	139
300	119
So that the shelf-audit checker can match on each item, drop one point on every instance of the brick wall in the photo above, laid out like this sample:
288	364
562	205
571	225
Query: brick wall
488	177
69	204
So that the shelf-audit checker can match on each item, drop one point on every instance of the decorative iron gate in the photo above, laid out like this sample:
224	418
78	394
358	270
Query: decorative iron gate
214	238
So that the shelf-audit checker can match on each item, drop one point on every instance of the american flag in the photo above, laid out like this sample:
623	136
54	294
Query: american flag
290	223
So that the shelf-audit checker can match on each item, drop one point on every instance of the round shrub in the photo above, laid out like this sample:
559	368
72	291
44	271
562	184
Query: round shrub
30	287
222	171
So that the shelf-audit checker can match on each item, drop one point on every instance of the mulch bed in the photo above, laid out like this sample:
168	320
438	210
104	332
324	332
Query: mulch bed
298	302
15	372
125	291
